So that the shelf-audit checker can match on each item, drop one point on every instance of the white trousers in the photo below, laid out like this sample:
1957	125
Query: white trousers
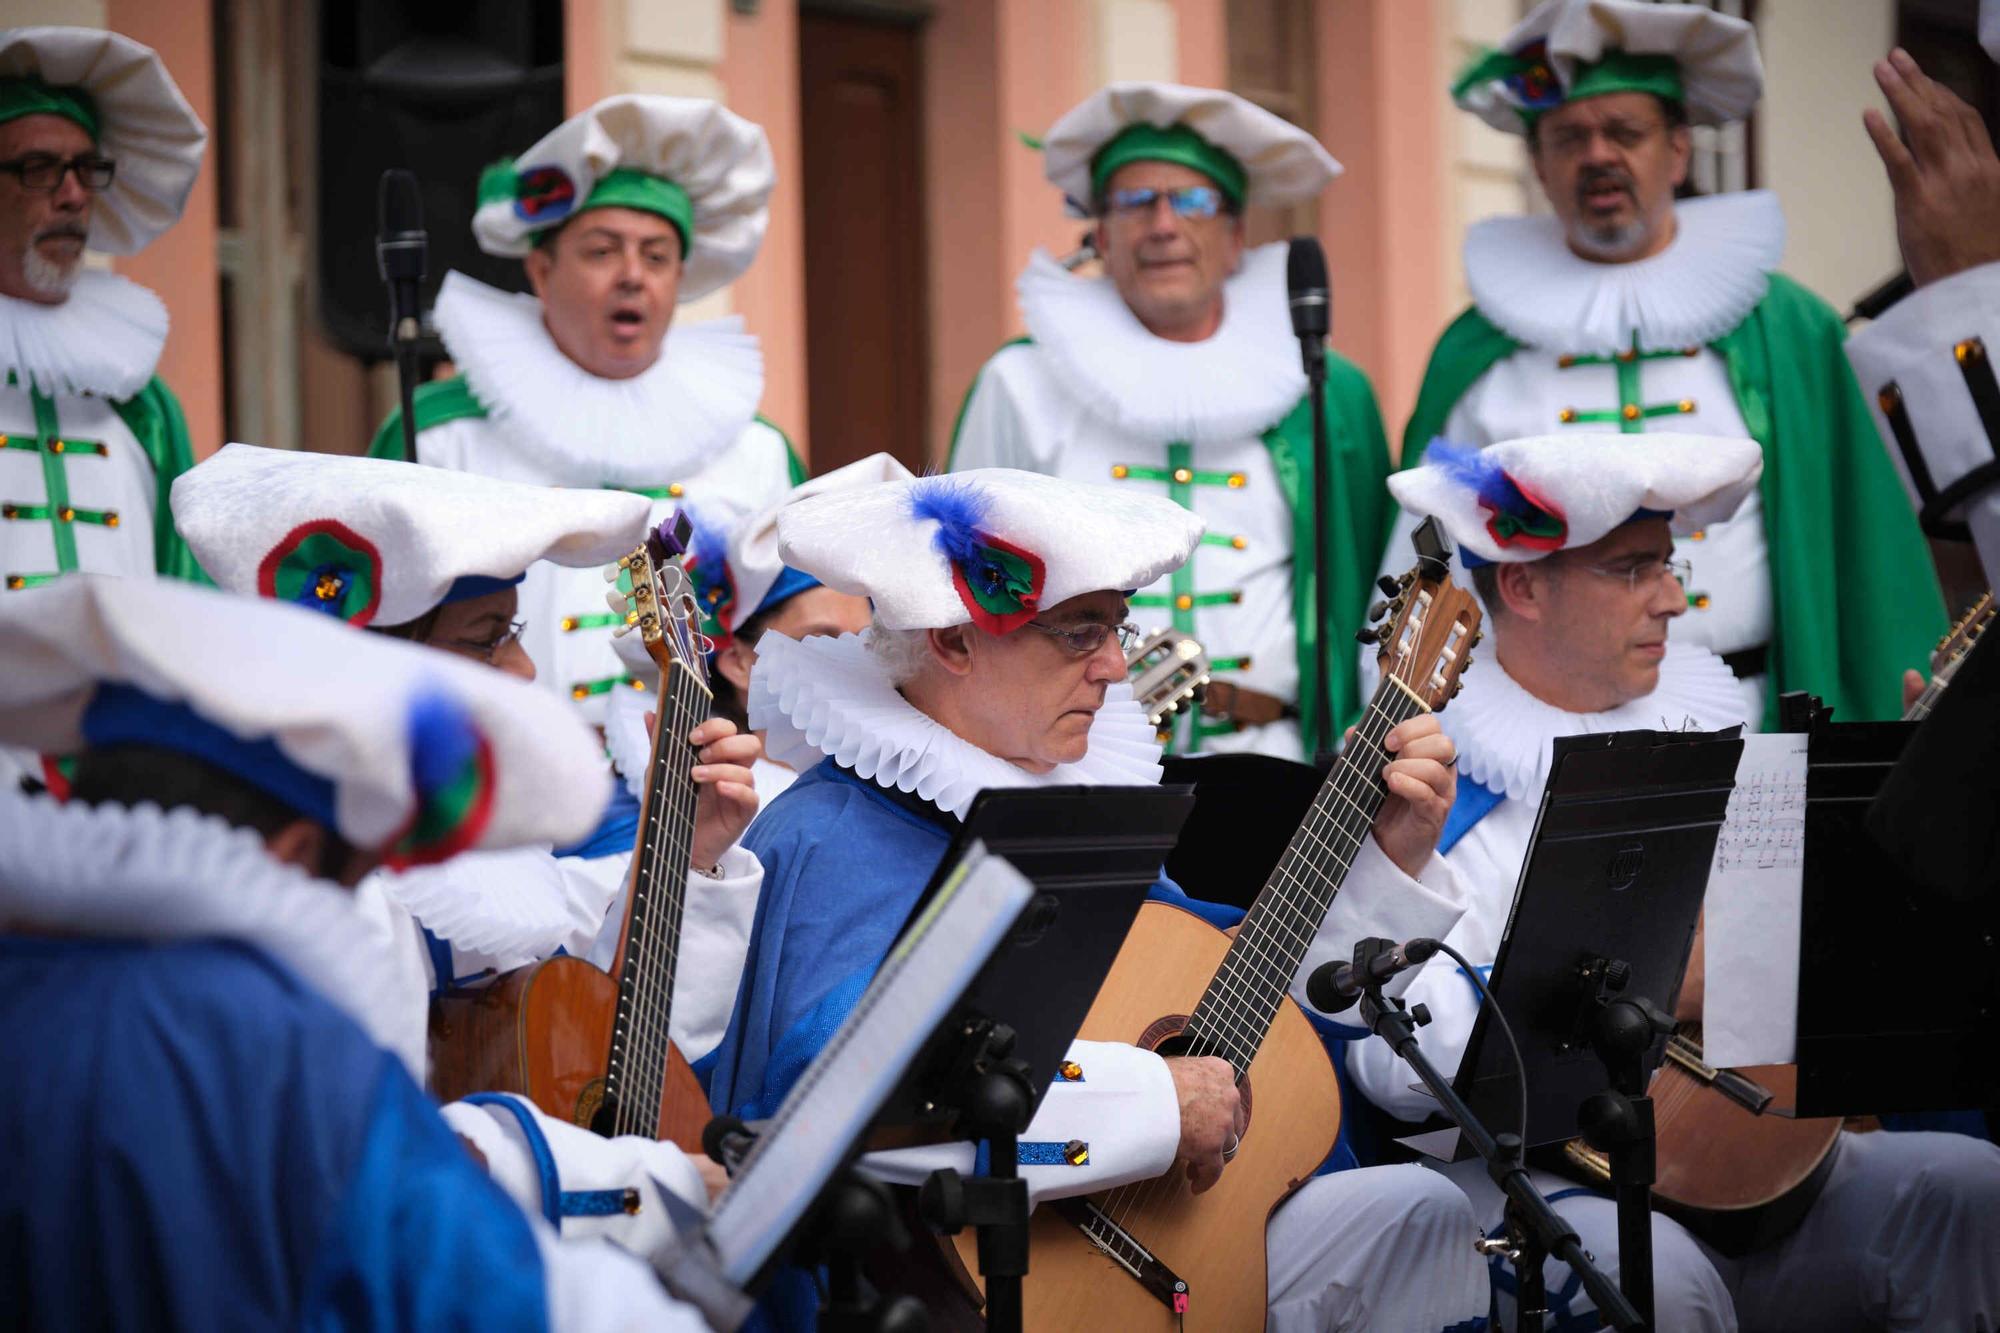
1905	1236
1387	1249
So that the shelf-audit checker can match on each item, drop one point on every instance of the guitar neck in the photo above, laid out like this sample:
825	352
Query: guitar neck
1236	1012
635	1071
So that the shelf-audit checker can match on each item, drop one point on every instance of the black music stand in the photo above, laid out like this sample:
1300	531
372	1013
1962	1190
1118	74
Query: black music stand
1091	854
1603	920
1247	808
1929	1048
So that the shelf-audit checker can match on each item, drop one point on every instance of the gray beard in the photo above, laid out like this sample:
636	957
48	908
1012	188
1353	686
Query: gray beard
45	278
1611	243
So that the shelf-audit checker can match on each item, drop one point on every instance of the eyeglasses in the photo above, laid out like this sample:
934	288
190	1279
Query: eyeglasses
1085	639
1570	140
1645	571
1192	201
489	650
43	172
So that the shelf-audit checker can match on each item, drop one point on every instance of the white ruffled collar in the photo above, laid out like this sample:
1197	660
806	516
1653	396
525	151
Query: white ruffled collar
590	431
105	340
1238	383
144	874
829	696
1505	734
1526	279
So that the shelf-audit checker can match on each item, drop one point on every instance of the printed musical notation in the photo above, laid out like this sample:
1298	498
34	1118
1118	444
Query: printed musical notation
1765	825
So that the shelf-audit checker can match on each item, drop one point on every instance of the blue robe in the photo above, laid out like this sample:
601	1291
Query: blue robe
193	1138
844	862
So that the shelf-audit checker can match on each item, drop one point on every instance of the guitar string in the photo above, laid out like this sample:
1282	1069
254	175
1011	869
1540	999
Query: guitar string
1226	1029
1237	1011
1132	1200
647	1033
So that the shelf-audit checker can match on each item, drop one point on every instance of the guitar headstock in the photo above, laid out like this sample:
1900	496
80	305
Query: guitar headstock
1427	626
1169	670
654	594
1964	634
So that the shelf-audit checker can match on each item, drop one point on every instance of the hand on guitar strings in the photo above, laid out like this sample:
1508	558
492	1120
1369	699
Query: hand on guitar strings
727	799
1421	783
1212	1118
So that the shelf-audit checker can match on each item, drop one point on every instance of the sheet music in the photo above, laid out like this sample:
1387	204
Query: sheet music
1756	889
833	1102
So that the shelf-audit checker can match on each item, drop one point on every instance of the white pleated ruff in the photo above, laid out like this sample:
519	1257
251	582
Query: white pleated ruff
1525	278
825	696
1505	734
1240	382
105	340
590	431
143	874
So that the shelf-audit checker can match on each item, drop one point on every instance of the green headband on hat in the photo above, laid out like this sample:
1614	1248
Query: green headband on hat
1532	82
1174	143
31	97
623	187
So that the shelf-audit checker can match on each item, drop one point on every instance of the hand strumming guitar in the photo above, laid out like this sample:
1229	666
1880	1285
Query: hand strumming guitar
1212	1118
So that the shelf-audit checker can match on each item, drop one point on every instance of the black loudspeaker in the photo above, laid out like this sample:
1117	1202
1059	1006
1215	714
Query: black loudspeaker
442	88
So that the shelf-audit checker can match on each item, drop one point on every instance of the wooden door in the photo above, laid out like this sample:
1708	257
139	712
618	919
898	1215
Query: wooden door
861	110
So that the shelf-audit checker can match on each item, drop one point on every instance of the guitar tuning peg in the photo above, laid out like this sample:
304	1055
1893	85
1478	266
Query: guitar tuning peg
1377	611
617	602
1389	584
1369	636
622	630
611	573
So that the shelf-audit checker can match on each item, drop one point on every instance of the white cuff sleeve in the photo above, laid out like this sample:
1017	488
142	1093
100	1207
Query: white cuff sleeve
1123	1110
551	1166
715	940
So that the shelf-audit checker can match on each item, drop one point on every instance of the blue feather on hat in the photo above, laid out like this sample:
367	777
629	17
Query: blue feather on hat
959	509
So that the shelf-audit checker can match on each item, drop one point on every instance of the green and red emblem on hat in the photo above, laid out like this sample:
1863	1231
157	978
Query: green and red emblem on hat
326	566
1000	584
451	765
1521	517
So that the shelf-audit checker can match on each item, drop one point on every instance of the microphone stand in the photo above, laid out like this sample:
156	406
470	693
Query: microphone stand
401	254
1534	1229
1315	366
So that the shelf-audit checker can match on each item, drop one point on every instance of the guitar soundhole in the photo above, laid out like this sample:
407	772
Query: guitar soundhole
589	1103
1168	1037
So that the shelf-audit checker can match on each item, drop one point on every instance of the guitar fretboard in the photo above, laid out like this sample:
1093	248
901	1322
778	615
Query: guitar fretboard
636	1069
1236	1012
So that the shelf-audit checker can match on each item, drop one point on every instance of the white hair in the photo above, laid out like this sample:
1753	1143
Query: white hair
903	653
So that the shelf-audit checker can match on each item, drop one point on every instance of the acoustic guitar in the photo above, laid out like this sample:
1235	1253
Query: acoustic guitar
584	1045
1153	1255
1731	1169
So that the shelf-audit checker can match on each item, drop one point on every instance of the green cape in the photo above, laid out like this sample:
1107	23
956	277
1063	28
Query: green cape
1854	595
451	400
1356	528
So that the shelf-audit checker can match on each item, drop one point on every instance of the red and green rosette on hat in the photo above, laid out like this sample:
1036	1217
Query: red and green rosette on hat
326	566
451	766
1000	583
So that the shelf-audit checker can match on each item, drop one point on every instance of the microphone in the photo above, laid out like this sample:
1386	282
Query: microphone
401	251
1335	986
1306	293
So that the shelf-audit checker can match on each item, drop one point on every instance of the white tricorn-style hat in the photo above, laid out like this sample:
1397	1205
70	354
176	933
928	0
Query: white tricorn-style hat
1567	50
120	92
734	561
1520	500
377	542
402	750
992	547
1253	156
694	162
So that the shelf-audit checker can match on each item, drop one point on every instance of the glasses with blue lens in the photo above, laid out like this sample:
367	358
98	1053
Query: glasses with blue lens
1191	201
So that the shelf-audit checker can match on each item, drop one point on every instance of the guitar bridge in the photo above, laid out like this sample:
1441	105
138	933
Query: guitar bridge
1124	1250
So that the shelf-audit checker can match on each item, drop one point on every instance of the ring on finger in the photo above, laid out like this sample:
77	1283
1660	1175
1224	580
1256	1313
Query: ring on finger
1235	1142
